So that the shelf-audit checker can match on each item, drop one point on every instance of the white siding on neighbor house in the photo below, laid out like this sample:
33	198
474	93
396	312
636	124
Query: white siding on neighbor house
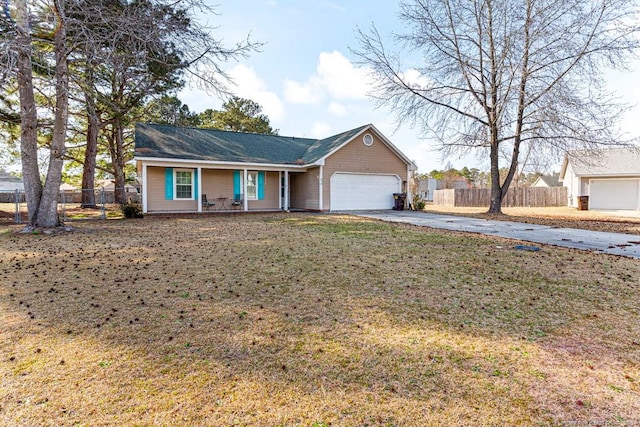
622	194
610	177
11	185
572	182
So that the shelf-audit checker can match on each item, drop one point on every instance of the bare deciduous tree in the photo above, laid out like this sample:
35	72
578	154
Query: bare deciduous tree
504	75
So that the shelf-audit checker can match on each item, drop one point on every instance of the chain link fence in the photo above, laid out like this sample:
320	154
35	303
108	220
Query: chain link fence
13	205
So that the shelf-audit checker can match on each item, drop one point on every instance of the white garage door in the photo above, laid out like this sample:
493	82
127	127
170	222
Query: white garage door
350	191
613	194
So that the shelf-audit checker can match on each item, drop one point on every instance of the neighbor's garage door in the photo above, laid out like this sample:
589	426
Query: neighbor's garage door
613	194
351	191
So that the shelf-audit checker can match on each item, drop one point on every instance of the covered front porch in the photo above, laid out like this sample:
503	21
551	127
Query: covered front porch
180	188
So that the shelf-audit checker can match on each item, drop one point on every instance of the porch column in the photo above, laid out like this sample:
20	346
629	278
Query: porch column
199	188
245	203
409	181
286	191
144	188
280	188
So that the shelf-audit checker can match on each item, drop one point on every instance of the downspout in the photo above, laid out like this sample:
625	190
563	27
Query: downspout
409	194
320	188
199	181
280	186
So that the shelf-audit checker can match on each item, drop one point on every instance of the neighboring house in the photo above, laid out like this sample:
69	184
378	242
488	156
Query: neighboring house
10	183
548	181
110	185
425	188
67	188
357	169
458	183
610	177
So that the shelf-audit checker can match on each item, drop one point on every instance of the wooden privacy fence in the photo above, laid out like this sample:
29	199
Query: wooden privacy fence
534	197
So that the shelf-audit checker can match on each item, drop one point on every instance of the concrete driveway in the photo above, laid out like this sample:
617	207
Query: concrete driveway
611	243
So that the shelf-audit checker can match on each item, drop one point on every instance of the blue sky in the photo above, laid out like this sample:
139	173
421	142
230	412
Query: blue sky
307	79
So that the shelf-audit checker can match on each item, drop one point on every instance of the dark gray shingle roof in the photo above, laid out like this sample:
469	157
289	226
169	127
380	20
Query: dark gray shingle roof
170	142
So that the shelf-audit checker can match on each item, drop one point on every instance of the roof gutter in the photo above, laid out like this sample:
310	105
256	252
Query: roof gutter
158	161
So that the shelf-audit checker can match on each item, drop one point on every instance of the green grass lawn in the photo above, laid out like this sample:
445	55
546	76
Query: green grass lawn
311	320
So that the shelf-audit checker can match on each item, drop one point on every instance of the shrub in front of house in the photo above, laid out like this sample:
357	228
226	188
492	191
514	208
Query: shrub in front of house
131	210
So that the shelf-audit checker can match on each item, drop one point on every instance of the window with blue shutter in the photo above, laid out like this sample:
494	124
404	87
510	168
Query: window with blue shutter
184	184
255	185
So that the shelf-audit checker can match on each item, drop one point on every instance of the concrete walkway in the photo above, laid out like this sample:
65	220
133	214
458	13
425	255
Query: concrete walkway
611	243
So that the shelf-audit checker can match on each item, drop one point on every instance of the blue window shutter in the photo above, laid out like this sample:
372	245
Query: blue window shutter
195	184
168	183
236	185
261	185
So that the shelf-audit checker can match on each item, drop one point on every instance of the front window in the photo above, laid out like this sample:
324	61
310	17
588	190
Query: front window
252	185
184	184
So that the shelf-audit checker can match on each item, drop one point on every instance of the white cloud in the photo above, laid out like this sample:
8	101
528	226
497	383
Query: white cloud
342	79
335	77
300	93
249	85
337	109
414	77
198	100
320	130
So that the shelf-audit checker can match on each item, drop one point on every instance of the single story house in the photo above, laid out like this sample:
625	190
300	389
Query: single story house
110	185
609	177
457	183
192	169
67	188
547	181
425	188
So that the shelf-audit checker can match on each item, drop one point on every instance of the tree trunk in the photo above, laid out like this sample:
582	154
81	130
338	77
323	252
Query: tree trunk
48	208
28	115
118	163
495	206
496	201
90	153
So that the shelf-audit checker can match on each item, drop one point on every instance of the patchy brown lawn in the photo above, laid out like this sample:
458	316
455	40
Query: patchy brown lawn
311	320
67	212
554	216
